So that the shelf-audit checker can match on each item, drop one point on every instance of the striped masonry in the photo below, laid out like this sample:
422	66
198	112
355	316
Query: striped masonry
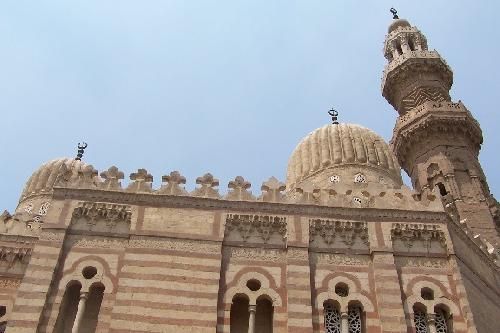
166	291
34	288
298	280
388	291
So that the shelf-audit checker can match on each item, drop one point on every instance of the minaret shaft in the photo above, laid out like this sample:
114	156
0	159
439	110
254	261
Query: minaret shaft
436	141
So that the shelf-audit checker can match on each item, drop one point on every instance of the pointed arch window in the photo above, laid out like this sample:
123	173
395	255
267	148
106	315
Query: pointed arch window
92	308
420	321
239	314
332	318
354	319
68	308
264	316
79	310
442	320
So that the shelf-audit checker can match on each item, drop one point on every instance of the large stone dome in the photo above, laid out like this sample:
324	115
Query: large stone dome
43	180
344	153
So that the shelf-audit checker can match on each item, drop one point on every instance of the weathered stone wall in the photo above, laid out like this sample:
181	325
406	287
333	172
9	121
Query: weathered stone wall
167	267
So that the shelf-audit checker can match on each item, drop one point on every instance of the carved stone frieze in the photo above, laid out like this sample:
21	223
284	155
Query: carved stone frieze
110	214
297	253
257	254
13	254
99	243
423	94
174	244
332	231
51	236
264	227
418	235
9	283
421	262
341	259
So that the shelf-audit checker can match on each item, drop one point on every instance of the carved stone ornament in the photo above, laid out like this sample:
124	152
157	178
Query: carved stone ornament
112	214
207	188
262	226
6	283
409	234
112	179
345	231
182	245
85	178
307	193
257	254
141	181
173	184
272	190
239	189
13	254
44	207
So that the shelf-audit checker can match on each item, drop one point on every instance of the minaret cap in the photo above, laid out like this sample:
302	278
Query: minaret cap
397	21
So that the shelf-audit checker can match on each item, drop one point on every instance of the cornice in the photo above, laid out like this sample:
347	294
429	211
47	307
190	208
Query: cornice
452	116
414	62
189	202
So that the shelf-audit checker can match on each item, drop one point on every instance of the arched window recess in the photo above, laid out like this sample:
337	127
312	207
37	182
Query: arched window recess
81	304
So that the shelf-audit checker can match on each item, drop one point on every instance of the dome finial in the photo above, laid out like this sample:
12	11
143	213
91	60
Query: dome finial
81	150
394	13
334	114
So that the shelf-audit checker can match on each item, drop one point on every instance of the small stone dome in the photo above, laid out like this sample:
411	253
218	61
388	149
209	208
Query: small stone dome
43	180
343	153
398	23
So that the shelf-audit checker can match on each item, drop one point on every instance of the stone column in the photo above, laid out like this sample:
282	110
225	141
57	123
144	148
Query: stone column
251	318
344	322
79	313
431	322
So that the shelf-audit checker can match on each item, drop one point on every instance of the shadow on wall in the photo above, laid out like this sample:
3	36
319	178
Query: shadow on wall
3	324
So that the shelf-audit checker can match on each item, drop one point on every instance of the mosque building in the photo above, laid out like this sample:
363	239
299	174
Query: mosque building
342	246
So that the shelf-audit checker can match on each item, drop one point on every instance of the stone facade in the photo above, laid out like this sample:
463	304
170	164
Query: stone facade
342	246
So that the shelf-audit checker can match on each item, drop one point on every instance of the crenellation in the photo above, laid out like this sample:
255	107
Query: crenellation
342	245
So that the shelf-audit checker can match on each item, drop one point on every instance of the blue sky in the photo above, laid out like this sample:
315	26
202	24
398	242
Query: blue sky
227	87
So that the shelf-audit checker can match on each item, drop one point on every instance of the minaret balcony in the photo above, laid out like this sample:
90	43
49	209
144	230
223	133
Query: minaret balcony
429	121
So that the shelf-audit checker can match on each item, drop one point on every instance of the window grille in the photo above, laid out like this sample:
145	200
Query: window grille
332	319
354	319
441	326
360	178
420	322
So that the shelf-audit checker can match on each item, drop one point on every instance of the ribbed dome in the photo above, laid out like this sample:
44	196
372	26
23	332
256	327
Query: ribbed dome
42	180
343	146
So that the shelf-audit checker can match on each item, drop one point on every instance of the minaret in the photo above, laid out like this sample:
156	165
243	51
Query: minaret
436	140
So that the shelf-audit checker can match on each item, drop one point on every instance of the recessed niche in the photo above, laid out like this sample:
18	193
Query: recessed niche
253	284
89	272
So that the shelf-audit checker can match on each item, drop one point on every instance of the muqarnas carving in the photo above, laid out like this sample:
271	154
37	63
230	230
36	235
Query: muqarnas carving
255	228
419	238
102	217
338	234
